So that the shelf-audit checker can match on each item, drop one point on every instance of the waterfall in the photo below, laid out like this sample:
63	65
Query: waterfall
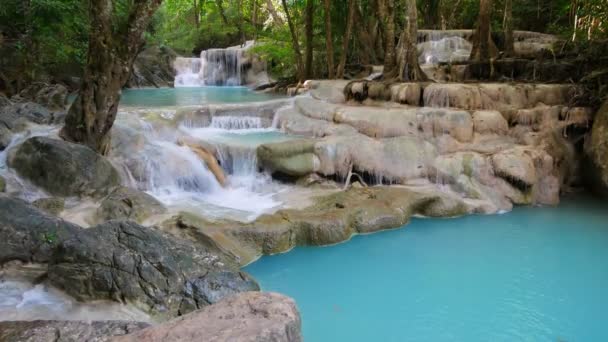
236	122
176	169
222	67
443	47
187	72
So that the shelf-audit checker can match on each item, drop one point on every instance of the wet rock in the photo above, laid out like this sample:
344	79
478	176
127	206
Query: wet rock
63	168
28	234
51	205
6	136
332	219
16	116
126	262
292	158
245	317
51	96
153	67
215	286
597	151
66	331
4	101
2	184
129	204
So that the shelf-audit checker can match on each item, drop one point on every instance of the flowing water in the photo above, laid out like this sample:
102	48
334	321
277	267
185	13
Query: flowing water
535	274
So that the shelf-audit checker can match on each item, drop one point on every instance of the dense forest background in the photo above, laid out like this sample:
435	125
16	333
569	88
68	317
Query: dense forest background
47	39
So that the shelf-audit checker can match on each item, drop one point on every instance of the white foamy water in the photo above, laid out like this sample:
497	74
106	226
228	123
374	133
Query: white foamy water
20	300
236	122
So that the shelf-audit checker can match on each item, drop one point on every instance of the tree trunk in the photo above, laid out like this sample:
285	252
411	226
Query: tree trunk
239	21
109	62
386	12
346	40
483	46
273	12
508	29
294	41
329	44
197	13
220	8
254	18
409	68
310	9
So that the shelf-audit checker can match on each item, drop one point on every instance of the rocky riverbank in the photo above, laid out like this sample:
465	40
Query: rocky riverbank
367	155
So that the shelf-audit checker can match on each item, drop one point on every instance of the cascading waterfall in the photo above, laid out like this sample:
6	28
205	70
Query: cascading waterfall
215	67
222	67
187	72
236	122
444	47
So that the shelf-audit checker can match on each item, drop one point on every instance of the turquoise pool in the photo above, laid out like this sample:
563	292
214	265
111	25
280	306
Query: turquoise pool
167	97
535	274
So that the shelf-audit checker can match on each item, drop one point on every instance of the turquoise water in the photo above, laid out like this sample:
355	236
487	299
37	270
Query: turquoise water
536	274
165	97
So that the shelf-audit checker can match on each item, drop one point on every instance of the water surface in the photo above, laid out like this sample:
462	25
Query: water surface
168	97
535	274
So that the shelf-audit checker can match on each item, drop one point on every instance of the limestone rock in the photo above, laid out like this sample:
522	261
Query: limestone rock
28	234
597	151
129	204
490	122
63	168
246	317
66	331
516	166
292	158
124	261
51	205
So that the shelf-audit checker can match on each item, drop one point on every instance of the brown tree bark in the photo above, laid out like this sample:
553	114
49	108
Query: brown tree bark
346	40
310	9
109	62
508	29
329	44
386	13
294	42
409	68
483	46
273	12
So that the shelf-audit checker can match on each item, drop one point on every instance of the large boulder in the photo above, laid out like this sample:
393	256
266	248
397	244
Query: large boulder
597	152
126	262
66	331
247	317
129	204
28	234
63	168
16	116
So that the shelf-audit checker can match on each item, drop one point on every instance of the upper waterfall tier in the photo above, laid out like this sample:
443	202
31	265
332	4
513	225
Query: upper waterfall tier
232	66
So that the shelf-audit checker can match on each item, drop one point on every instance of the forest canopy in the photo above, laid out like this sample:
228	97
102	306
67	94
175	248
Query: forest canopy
48	38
